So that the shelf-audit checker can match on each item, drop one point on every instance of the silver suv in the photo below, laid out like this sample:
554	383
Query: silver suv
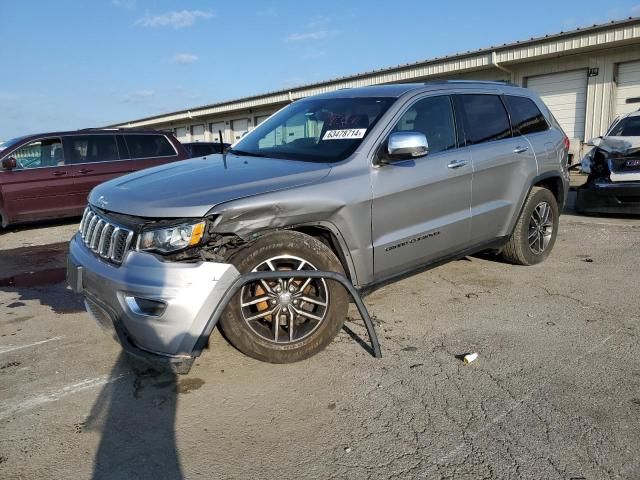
371	182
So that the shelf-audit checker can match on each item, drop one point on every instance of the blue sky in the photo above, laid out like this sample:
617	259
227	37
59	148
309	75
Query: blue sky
75	64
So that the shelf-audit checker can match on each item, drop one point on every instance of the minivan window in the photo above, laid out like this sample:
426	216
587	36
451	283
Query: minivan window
10	143
526	118
149	146
91	148
40	153
315	130
484	116
433	117
122	148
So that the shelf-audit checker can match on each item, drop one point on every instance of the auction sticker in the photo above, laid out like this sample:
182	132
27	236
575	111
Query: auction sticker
347	133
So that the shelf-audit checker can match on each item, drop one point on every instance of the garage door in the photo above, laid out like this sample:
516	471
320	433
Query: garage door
261	118
197	133
566	96
239	127
181	134
215	129
628	88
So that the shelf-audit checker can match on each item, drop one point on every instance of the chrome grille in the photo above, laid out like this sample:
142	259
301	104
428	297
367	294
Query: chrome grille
104	238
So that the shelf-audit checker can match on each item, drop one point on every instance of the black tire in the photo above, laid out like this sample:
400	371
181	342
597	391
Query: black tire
518	249
249	339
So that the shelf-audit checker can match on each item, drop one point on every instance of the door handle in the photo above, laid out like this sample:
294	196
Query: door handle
520	149
59	173
85	170
457	164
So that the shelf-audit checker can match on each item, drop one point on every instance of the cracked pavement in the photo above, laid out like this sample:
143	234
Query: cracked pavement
554	393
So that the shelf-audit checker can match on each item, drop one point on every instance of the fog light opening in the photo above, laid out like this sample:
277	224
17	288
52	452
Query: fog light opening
145	306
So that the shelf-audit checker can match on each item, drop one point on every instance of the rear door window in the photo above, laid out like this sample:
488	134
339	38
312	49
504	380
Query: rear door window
122	148
484	117
149	146
526	117
91	148
45	152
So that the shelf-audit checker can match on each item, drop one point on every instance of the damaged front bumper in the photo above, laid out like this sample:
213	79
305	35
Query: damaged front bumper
157	310
604	196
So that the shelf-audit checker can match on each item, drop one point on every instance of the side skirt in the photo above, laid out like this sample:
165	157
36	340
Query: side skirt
495	244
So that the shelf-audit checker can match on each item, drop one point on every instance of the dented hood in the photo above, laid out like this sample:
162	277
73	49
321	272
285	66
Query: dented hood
190	188
618	145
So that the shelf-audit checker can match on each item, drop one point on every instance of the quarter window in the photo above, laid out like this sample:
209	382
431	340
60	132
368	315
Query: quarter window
92	148
41	153
149	146
484	117
526	118
433	117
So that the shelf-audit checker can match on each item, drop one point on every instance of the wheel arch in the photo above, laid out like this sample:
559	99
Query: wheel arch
552	182
329	234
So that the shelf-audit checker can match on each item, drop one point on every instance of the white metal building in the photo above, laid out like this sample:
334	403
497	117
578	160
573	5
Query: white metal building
587	77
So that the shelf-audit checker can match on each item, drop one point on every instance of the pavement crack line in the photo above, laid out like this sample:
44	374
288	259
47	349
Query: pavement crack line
22	405
516	404
11	348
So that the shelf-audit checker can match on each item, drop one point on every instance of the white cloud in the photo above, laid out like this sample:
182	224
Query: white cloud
177	19
635	10
128	4
302	37
184	58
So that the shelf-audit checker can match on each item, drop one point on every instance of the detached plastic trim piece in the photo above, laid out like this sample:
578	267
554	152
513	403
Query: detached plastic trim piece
242	280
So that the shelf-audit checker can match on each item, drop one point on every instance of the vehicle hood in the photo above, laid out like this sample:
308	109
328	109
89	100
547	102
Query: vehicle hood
619	145
190	188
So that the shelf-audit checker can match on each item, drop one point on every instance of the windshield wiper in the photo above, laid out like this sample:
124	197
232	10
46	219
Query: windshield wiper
242	153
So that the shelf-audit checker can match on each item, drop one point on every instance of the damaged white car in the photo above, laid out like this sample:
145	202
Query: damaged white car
613	165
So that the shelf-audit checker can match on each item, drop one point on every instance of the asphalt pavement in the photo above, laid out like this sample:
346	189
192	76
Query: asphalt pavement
554	392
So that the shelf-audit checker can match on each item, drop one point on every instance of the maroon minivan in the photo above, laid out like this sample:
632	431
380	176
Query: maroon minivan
50	175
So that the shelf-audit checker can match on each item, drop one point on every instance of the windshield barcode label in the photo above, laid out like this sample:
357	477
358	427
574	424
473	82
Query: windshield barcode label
344	134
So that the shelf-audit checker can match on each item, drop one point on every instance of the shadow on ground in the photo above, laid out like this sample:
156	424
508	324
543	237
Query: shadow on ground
135	414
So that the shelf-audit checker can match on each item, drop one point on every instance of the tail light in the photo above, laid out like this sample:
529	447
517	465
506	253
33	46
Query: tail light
566	142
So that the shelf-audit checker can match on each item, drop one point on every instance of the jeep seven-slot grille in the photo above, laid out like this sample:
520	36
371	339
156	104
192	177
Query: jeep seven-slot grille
104	238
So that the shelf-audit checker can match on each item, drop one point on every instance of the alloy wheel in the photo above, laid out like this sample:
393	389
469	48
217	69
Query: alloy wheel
285	310
540	228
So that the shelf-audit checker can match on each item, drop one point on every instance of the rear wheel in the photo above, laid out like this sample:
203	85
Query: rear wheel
285	320
535	232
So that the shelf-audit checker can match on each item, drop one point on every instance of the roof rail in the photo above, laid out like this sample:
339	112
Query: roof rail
109	129
472	82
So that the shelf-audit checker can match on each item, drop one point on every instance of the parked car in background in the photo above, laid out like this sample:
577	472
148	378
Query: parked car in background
50	175
613	165
375	182
202	149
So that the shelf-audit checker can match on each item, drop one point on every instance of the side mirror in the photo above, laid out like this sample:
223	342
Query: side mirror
406	145
9	163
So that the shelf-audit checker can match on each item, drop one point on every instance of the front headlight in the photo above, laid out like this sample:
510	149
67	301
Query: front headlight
170	239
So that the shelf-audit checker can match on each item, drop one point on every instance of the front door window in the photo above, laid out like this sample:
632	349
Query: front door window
41	153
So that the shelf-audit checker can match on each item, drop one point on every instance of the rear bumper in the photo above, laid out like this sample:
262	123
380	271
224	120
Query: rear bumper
182	297
609	197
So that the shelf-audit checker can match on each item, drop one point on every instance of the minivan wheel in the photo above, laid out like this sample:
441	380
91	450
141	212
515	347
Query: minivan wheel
535	232
284	321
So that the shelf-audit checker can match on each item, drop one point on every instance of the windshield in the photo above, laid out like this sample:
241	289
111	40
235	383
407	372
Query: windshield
318	130
9	143
627	127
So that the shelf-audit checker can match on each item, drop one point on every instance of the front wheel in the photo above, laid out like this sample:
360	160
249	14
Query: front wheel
535	232
286	320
